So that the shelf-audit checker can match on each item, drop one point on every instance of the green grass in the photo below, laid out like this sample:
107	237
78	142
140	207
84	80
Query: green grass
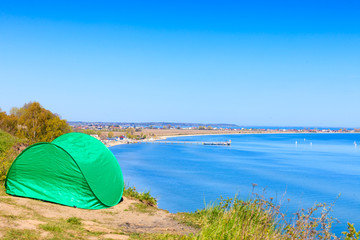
6	200
189	219
157	236
51	227
142	207
15	234
2	189
70	228
144	197
257	218
74	221
260	218
236	219
10	217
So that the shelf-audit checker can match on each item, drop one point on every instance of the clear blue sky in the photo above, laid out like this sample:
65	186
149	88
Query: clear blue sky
280	63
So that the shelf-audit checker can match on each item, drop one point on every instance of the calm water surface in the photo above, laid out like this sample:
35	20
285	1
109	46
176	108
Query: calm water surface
316	169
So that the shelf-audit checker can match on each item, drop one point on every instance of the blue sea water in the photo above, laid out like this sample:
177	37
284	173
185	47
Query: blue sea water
305	168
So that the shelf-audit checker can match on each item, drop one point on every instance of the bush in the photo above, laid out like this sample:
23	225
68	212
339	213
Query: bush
144	197
7	152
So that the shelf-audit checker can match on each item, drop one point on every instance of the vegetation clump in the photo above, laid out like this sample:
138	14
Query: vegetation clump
8	152
74	221
260	218
18	234
236	219
33	123
144	197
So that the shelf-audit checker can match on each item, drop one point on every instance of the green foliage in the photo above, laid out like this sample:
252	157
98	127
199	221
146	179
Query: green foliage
110	134
189	219
9	123
6	141
236	219
87	131
259	218
51	227
33	123
351	234
144	197
157	236
130	133
40	125
7	152
142	207
17	234
74	221
2	190
17	112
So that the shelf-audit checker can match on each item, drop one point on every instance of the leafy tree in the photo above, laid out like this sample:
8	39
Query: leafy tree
130	131
11	124
8	123
34	123
17	111
98	133
55	127
110	134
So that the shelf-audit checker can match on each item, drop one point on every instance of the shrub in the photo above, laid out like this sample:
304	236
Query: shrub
7	152
144	197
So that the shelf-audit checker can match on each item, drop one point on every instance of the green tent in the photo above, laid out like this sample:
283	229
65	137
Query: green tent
75	170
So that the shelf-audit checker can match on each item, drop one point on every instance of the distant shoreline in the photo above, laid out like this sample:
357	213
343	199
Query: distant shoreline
253	133
115	143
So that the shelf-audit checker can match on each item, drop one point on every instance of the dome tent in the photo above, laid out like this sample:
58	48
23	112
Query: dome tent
75	170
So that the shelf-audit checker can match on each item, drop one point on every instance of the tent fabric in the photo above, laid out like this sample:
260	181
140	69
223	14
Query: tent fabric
75	170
